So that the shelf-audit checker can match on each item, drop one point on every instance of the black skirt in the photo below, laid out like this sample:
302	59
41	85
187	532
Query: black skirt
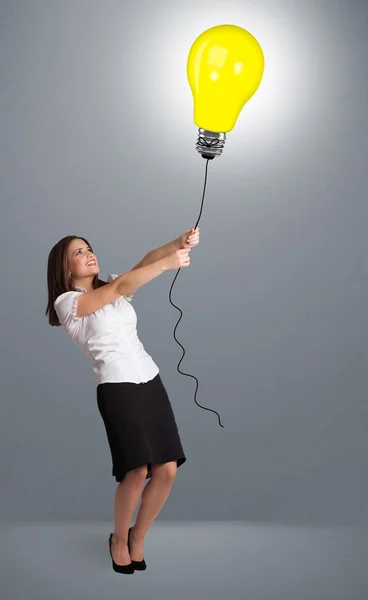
140	425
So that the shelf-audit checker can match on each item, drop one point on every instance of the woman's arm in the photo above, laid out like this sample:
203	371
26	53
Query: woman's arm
161	252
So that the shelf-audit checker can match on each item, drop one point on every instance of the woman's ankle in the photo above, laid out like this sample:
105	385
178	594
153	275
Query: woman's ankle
119	540
136	534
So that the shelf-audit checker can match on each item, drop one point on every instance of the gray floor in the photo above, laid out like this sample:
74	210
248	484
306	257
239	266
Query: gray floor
204	560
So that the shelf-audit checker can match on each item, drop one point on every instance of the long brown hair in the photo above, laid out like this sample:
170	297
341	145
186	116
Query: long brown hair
58	281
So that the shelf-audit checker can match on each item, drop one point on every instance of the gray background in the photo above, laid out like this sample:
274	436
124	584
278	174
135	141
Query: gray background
97	139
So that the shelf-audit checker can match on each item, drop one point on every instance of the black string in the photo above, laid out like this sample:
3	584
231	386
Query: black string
202	142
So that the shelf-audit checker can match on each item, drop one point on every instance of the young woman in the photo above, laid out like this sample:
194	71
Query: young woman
139	421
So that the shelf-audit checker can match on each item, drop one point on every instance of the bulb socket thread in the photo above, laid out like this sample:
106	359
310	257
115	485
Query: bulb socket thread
210	143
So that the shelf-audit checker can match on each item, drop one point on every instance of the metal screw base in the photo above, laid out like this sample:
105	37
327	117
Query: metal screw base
210	143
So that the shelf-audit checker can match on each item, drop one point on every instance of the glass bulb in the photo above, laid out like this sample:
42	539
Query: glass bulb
224	68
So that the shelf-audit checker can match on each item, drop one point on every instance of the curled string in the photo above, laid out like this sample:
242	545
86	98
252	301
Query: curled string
203	142
181	314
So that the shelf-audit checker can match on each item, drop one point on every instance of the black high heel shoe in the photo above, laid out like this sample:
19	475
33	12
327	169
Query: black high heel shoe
127	569
138	565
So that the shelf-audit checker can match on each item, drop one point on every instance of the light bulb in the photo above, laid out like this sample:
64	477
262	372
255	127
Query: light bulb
224	68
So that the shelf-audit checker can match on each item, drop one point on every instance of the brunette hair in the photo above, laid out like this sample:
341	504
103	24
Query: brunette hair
58	280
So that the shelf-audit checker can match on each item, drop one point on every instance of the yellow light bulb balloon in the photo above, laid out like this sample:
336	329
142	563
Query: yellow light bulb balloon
224	68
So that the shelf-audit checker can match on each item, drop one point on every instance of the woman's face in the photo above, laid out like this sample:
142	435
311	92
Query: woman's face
78	255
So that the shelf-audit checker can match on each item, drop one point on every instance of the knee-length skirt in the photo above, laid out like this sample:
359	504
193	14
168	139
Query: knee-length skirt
140	425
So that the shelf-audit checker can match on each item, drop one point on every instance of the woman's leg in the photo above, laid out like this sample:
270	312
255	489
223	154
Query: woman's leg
154	497
126	499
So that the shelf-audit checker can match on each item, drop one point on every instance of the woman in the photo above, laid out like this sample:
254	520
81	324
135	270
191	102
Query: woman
140	425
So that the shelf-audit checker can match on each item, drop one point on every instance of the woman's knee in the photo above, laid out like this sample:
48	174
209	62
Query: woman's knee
139	474
165	470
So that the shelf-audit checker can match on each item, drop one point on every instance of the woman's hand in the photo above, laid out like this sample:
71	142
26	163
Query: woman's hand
189	239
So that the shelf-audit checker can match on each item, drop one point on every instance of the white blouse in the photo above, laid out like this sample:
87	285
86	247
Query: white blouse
108	337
